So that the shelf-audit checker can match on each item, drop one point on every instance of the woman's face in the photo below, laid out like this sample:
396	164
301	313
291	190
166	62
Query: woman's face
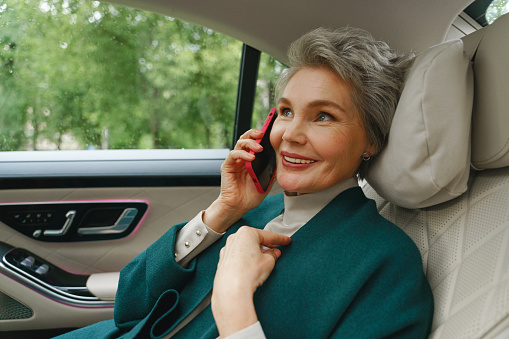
318	136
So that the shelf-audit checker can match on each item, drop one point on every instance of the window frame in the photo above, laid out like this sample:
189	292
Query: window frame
133	168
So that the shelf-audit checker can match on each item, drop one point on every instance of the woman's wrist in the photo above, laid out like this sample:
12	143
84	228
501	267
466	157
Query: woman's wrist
220	216
233	312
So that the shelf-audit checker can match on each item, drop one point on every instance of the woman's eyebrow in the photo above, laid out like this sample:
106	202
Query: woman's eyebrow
325	103
283	100
314	104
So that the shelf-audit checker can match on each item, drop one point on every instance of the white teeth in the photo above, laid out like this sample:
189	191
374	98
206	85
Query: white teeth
298	161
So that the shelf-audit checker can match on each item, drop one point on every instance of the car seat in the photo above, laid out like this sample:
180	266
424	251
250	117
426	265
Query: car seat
463	236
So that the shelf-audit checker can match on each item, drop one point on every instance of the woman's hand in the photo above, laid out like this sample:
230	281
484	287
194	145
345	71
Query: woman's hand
238	193
243	266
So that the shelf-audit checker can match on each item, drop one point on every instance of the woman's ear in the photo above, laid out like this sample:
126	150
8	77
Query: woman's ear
371	150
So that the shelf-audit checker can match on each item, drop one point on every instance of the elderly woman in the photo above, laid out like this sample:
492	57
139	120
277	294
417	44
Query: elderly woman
345	272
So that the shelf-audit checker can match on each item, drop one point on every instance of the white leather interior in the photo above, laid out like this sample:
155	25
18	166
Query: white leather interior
464	245
464	242
427	157
167	207
103	285
490	117
47	313
501	331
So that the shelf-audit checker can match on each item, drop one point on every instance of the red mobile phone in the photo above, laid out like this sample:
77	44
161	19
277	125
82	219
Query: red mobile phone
263	167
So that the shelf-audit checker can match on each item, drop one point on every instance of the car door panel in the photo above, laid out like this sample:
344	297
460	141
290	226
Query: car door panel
167	206
74	221
46	313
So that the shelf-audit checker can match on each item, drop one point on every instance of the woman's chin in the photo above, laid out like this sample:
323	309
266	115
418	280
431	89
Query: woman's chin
293	186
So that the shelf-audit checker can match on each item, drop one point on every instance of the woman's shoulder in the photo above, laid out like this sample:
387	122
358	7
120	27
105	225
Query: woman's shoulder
378	233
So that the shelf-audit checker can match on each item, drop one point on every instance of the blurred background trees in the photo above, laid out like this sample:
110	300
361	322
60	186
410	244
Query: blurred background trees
80	74
496	9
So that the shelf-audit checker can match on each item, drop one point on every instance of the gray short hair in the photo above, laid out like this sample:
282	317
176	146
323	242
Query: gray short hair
375	72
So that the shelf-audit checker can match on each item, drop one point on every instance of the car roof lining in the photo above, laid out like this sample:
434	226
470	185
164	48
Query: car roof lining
270	25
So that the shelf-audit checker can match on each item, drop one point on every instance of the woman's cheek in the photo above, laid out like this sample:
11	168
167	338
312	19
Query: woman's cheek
276	135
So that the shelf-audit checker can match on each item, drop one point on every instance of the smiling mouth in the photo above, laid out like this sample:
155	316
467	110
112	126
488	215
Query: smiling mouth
298	161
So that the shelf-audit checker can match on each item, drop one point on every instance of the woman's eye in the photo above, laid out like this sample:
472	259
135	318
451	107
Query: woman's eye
324	117
285	112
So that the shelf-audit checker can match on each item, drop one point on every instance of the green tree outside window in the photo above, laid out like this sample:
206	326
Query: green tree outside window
78	74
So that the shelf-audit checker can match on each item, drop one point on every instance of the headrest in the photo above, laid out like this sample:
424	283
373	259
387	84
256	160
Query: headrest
489	48
427	157
426	160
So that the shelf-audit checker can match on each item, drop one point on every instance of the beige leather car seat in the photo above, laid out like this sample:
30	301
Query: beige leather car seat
464	242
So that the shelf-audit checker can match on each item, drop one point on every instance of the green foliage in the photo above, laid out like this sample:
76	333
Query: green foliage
268	73
76	74
496	9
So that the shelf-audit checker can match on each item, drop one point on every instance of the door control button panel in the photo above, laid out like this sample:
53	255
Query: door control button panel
48	279
71	221
28	262
34	217
42	272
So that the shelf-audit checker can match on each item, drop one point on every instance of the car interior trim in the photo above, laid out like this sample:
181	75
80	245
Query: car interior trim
248	75
87	220
114	163
104	181
70	295
104	285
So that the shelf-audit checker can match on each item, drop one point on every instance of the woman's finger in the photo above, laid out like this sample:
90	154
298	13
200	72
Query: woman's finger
275	253
248	144
248	140
271	239
235	155
252	134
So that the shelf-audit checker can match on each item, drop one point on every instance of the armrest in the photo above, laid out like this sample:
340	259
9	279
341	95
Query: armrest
103	285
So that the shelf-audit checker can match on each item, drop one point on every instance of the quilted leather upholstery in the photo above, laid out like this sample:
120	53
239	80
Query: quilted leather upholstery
464	245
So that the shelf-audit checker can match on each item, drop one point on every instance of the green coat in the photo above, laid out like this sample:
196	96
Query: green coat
348	273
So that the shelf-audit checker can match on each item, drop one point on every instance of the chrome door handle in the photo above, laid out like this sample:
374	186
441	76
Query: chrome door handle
58	233
123	222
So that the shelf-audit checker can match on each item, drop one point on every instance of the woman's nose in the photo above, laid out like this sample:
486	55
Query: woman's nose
295	132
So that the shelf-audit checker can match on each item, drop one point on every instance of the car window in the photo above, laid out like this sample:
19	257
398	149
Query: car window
496	9
268	72
485	12
79	75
